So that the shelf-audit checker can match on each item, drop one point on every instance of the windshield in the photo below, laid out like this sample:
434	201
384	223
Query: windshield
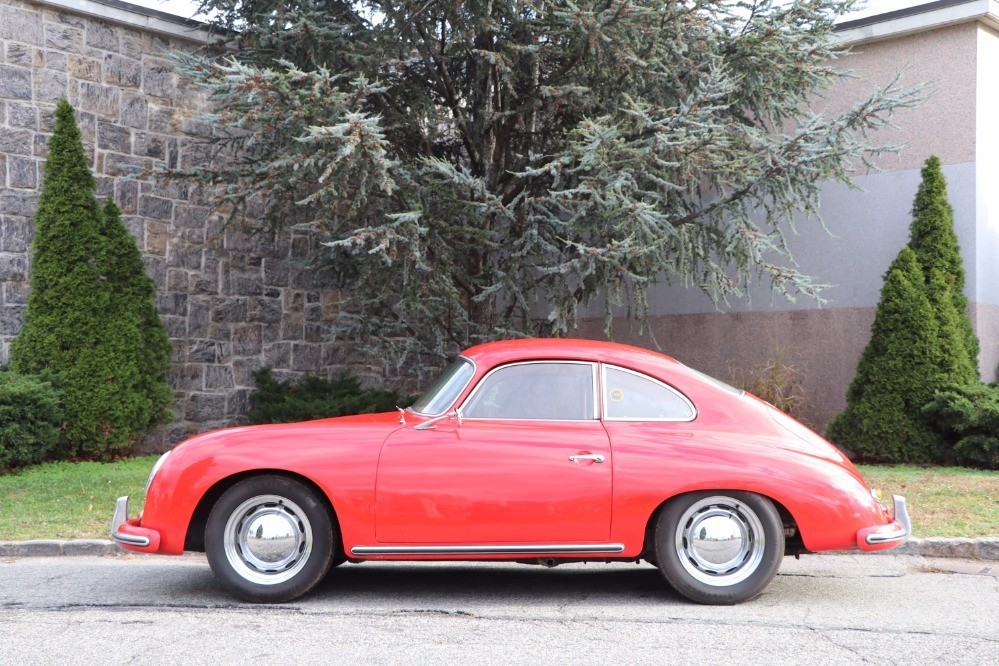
446	389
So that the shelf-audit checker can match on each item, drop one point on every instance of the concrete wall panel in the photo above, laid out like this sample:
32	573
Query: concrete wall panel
944	124
986	319
987	232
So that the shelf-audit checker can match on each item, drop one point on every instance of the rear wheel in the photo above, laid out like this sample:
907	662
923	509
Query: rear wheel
719	547
269	539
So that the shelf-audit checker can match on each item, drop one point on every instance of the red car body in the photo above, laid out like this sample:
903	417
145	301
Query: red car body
506	488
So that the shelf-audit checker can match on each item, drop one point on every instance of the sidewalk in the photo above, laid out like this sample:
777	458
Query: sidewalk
981	549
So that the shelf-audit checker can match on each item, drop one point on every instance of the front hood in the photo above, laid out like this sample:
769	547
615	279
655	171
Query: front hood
379	418
328	429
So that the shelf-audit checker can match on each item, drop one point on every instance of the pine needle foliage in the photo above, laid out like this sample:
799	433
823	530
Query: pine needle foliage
894	427
316	398
897	375
968	419
90	322
486	169
134	292
932	237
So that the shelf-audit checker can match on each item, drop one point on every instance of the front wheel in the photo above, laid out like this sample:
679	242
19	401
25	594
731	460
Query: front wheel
719	547
269	539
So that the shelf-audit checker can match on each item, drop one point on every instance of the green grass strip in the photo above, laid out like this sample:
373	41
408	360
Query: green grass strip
942	501
69	500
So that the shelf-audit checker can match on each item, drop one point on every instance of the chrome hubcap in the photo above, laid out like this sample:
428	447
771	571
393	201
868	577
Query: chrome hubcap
720	541
268	539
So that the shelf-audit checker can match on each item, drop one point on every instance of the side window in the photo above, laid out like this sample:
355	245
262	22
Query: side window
547	390
635	397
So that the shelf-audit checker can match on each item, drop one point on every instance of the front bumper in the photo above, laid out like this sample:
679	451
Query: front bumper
129	534
884	537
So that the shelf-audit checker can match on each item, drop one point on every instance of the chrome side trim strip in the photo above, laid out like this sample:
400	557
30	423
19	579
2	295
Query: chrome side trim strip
120	516
496	549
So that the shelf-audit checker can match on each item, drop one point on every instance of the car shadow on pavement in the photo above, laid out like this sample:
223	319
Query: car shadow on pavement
420	583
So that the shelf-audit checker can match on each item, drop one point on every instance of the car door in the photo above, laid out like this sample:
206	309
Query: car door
649	424
529	462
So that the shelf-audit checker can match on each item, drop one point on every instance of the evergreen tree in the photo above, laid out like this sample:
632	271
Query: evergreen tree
486	169
898	373
64	273
932	237
957	367
85	325
134	293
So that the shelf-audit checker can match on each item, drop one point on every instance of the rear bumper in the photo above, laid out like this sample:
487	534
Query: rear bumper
128	532
884	537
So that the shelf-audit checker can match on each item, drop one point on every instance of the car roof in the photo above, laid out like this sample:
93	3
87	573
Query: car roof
493	353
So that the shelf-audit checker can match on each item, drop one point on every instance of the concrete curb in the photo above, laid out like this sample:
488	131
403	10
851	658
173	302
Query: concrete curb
57	547
980	549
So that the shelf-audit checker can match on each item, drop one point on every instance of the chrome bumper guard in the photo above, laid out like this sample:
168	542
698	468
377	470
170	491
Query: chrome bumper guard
900	535
120	517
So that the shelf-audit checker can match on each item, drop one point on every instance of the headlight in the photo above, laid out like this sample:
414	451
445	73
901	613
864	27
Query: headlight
156	468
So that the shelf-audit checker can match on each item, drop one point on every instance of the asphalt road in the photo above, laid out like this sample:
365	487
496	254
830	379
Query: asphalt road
822	609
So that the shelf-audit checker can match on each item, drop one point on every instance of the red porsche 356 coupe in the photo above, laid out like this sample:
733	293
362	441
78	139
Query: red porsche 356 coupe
539	450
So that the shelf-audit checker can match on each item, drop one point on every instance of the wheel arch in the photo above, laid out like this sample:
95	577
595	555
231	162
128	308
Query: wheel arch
793	544
194	540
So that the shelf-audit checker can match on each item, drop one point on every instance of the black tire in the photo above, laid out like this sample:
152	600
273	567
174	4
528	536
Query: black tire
735	565
288	562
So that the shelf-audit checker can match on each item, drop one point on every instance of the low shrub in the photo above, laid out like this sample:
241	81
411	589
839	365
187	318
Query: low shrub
967	417
316	398
30	419
777	380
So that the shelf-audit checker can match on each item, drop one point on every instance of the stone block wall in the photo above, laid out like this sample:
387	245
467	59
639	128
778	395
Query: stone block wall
231	302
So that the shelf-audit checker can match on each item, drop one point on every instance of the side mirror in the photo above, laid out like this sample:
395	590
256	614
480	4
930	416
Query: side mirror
430	424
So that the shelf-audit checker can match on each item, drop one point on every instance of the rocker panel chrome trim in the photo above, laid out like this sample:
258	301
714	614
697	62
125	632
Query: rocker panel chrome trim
496	549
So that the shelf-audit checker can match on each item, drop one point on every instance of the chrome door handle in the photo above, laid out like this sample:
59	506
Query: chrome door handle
595	457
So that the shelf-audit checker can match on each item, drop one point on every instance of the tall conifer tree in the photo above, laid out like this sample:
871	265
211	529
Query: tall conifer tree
134	293
89	318
897	374
913	354
932	237
64	274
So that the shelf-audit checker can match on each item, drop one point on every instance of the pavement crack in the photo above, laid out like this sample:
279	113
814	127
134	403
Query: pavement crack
841	577
140	606
437	612
824	635
824	632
